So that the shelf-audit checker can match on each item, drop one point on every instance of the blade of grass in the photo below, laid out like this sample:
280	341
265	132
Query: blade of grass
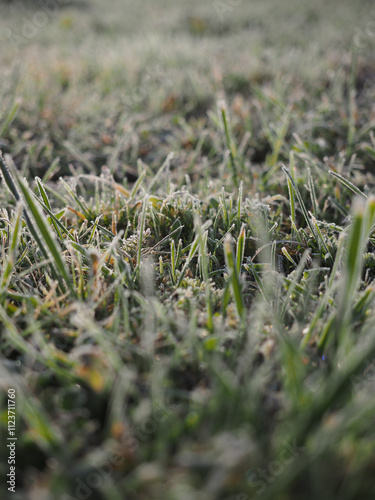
234	277
141	228
230	146
202	239
312	193
348	184
301	202
240	249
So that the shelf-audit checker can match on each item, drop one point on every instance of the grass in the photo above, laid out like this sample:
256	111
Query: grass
187	251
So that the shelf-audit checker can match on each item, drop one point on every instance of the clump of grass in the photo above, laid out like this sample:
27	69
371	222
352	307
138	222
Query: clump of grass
179	310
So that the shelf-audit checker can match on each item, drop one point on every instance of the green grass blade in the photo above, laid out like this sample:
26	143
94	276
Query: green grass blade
51	170
348	184
240	248
202	238
312	193
301	202
230	146
234	277
173	260
141	229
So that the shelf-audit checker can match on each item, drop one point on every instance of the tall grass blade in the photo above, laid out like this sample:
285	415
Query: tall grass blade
141	229
240	249
234	276
312	193
230	146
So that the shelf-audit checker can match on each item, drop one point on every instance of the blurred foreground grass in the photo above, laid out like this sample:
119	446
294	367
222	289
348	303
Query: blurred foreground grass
187	249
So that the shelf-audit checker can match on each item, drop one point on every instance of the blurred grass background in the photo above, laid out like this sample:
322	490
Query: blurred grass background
112	88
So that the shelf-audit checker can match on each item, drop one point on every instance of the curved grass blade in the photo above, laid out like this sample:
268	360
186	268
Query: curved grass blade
348	184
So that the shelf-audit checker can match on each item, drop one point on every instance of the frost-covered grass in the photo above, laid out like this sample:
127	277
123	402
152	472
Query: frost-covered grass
187	250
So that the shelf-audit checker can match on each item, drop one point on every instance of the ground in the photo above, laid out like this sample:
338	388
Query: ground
187	250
